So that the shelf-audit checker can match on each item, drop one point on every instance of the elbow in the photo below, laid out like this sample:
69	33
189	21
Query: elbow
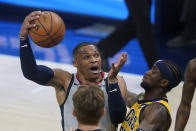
32	77
184	108
35	78
28	75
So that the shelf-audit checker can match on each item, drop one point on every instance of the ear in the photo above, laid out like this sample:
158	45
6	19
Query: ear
75	64
164	83
103	113
74	113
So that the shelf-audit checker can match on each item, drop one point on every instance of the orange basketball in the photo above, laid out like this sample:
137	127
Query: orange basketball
49	30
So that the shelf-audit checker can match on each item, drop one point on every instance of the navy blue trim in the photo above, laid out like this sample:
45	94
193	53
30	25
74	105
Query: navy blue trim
158	99
62	116
163	106
141	113
106	84
62	105
151	103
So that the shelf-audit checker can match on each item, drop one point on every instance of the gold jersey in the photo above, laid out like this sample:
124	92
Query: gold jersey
132	120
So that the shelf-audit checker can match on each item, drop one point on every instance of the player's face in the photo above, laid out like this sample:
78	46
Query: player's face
152	78
89	61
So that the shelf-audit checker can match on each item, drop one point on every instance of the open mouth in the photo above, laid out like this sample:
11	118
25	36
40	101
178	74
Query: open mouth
94	69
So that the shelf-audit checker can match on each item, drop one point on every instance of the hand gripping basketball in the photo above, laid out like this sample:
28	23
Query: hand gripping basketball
49	30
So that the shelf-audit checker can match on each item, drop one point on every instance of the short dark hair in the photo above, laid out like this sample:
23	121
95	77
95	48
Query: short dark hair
89	104
176	72
82	44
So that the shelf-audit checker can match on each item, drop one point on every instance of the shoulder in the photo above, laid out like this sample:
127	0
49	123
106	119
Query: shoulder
132	98
157	113
155	117
159	108
190	73
122	86
192	65
121	79
192	61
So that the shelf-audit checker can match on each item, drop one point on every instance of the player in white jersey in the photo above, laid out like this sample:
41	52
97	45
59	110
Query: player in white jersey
87	60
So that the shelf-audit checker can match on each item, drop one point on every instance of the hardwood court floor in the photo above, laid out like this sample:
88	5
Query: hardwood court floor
26	106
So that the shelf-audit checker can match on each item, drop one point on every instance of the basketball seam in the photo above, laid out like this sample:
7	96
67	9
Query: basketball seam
58	28
51	23
52	34
37	33
46	30
50	27
47	39
48	43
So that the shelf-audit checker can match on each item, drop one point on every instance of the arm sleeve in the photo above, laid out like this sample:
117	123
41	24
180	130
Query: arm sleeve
117	106
37	73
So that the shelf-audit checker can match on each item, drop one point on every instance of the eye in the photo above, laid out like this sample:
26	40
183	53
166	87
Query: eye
96	55
85	57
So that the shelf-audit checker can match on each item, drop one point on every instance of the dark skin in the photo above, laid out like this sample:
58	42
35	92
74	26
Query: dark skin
154	117
87	57
187	96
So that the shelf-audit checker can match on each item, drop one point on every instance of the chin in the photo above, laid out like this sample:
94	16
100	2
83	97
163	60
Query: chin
94	76
144	85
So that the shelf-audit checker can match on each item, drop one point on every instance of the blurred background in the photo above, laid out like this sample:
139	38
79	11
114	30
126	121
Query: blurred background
34	107
92	21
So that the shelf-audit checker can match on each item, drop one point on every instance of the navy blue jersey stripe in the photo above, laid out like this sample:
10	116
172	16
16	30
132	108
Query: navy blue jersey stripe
62	105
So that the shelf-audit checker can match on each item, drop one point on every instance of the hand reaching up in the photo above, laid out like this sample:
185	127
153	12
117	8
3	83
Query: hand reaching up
112	75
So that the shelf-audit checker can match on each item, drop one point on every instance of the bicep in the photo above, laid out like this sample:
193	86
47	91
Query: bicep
128	96
131	98
122	86
188	93
61	78
189	83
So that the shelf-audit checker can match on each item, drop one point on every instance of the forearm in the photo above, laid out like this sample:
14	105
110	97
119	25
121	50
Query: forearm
117	106
182	117
37	73
28	63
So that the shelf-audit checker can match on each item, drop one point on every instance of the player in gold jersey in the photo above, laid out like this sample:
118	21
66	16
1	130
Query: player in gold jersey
150	111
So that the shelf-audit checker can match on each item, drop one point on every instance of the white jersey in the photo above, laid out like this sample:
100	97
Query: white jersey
68	120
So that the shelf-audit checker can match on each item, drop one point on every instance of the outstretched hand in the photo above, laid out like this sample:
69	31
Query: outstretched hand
117	67
27	23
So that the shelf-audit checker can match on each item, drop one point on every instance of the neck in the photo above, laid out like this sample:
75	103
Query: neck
154	94
85	127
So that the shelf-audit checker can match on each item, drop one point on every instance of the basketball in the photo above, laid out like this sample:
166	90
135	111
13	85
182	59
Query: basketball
49	30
